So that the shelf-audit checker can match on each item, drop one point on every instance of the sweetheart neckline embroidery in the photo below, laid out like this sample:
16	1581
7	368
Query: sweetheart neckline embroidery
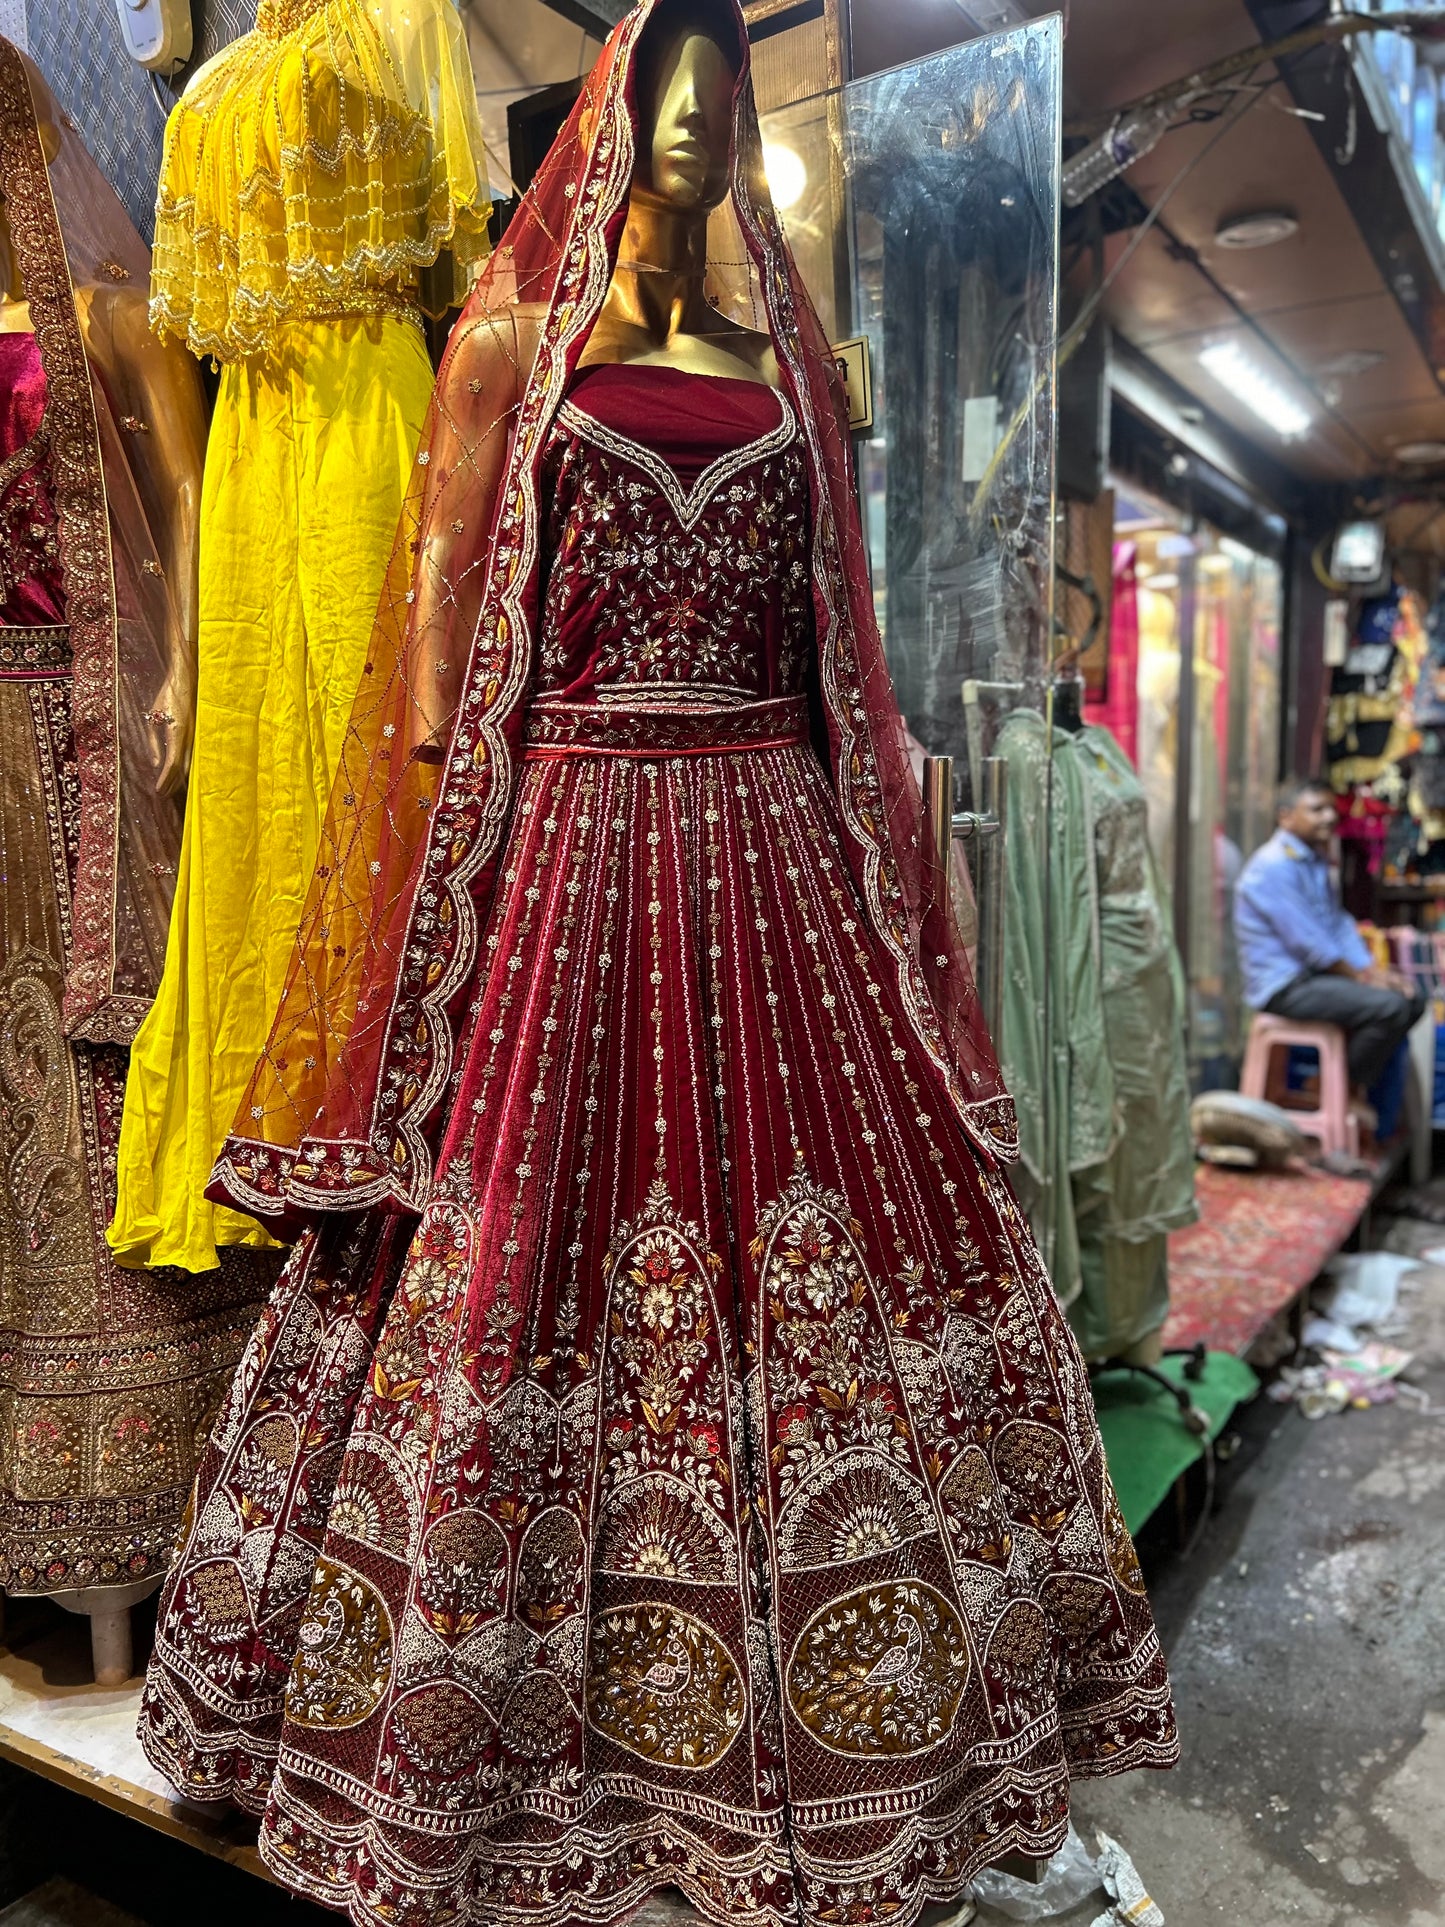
687	504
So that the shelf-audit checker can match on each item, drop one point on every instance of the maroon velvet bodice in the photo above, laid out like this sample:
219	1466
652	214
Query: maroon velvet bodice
30	582
677	540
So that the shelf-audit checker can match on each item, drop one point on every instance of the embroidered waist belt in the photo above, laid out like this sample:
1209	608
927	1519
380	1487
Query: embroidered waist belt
36	651
704	729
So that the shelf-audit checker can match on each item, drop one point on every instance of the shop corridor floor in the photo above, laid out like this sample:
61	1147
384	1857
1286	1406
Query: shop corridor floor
1307	1647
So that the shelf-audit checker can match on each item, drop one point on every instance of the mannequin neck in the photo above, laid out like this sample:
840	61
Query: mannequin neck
657	308
661	267
662	238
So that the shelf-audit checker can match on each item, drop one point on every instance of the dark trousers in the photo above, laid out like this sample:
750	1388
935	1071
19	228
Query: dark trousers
1376	1021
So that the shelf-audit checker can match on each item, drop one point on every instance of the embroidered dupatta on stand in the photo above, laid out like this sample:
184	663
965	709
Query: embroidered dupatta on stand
342	1110
108	1379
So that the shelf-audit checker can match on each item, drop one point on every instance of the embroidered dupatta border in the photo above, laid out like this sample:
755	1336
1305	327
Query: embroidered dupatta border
92	1010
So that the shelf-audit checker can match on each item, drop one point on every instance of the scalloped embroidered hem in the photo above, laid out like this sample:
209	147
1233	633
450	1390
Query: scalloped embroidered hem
358	1870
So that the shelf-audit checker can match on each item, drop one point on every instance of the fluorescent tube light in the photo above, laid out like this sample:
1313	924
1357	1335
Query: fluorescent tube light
1258	390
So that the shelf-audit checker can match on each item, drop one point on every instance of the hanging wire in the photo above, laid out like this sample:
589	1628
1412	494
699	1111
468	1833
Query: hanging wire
1079	326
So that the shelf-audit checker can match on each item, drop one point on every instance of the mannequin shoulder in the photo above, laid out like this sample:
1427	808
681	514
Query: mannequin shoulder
492	350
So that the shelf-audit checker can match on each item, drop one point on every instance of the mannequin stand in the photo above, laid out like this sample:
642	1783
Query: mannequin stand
108	1609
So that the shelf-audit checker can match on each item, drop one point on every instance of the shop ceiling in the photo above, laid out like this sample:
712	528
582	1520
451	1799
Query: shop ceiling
1342	312
1348	312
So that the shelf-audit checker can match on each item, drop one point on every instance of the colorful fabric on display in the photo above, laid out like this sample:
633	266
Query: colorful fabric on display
310	452
1151	1168
32	594
108	1384
317	167
1052	1041
1119	711
1126	1207
1427	771
705	1491
1369	727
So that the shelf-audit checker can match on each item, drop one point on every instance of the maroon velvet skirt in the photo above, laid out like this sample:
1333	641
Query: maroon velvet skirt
706	1490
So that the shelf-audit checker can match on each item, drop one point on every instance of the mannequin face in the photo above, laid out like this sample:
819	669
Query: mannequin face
687	110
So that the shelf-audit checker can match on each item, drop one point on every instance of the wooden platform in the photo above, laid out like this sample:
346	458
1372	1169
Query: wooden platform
55	1721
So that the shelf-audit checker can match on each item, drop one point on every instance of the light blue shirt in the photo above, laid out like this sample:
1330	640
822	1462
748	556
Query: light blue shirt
1287	922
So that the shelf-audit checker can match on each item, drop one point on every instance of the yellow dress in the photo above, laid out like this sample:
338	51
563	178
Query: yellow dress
311	172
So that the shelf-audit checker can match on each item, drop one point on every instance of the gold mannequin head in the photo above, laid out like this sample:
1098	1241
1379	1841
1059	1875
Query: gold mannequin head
685	84
657	308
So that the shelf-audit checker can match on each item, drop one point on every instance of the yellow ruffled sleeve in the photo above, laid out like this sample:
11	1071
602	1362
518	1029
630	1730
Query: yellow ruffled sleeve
316	167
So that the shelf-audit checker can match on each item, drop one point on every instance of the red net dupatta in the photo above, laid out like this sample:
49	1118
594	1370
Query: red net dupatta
343	1110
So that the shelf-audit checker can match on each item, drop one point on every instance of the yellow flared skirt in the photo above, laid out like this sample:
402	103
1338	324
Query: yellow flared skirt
310	453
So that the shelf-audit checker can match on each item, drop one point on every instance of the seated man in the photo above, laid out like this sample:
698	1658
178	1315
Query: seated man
1301	956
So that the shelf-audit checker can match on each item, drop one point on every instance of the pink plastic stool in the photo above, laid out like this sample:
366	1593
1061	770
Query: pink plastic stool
1334	1124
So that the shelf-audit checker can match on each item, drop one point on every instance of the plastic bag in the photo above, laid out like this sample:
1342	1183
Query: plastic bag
1071	1877
1132	1906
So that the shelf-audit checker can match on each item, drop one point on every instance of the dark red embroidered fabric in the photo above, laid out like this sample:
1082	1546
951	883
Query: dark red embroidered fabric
682	561
31	590
710	1492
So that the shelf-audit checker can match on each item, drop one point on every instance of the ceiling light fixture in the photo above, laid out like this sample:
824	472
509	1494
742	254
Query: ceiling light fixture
1260	229
1258	390
1420	453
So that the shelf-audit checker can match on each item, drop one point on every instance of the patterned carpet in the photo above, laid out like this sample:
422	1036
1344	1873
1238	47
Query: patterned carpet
1261	1237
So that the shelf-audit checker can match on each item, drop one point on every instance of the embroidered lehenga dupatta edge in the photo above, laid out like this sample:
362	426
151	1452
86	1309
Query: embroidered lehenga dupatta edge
73	242
108	1380
341	1111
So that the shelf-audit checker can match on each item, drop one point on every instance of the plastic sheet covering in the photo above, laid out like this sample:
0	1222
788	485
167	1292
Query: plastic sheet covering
923	210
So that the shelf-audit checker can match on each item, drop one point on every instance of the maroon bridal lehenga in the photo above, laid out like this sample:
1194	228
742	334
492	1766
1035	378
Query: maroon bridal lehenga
663	1461
109	1379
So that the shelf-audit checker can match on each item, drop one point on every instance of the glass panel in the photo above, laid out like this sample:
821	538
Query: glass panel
1230	599
922	204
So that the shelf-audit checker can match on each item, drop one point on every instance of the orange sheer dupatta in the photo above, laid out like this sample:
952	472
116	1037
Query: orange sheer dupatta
343	1109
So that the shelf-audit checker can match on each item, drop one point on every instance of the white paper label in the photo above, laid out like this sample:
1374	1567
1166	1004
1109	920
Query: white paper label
980	435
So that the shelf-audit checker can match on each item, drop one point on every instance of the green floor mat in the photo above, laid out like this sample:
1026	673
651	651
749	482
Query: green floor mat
1145	1441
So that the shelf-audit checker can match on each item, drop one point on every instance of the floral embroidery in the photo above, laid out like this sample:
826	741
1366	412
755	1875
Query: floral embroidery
664	1399
677	584
832	1381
